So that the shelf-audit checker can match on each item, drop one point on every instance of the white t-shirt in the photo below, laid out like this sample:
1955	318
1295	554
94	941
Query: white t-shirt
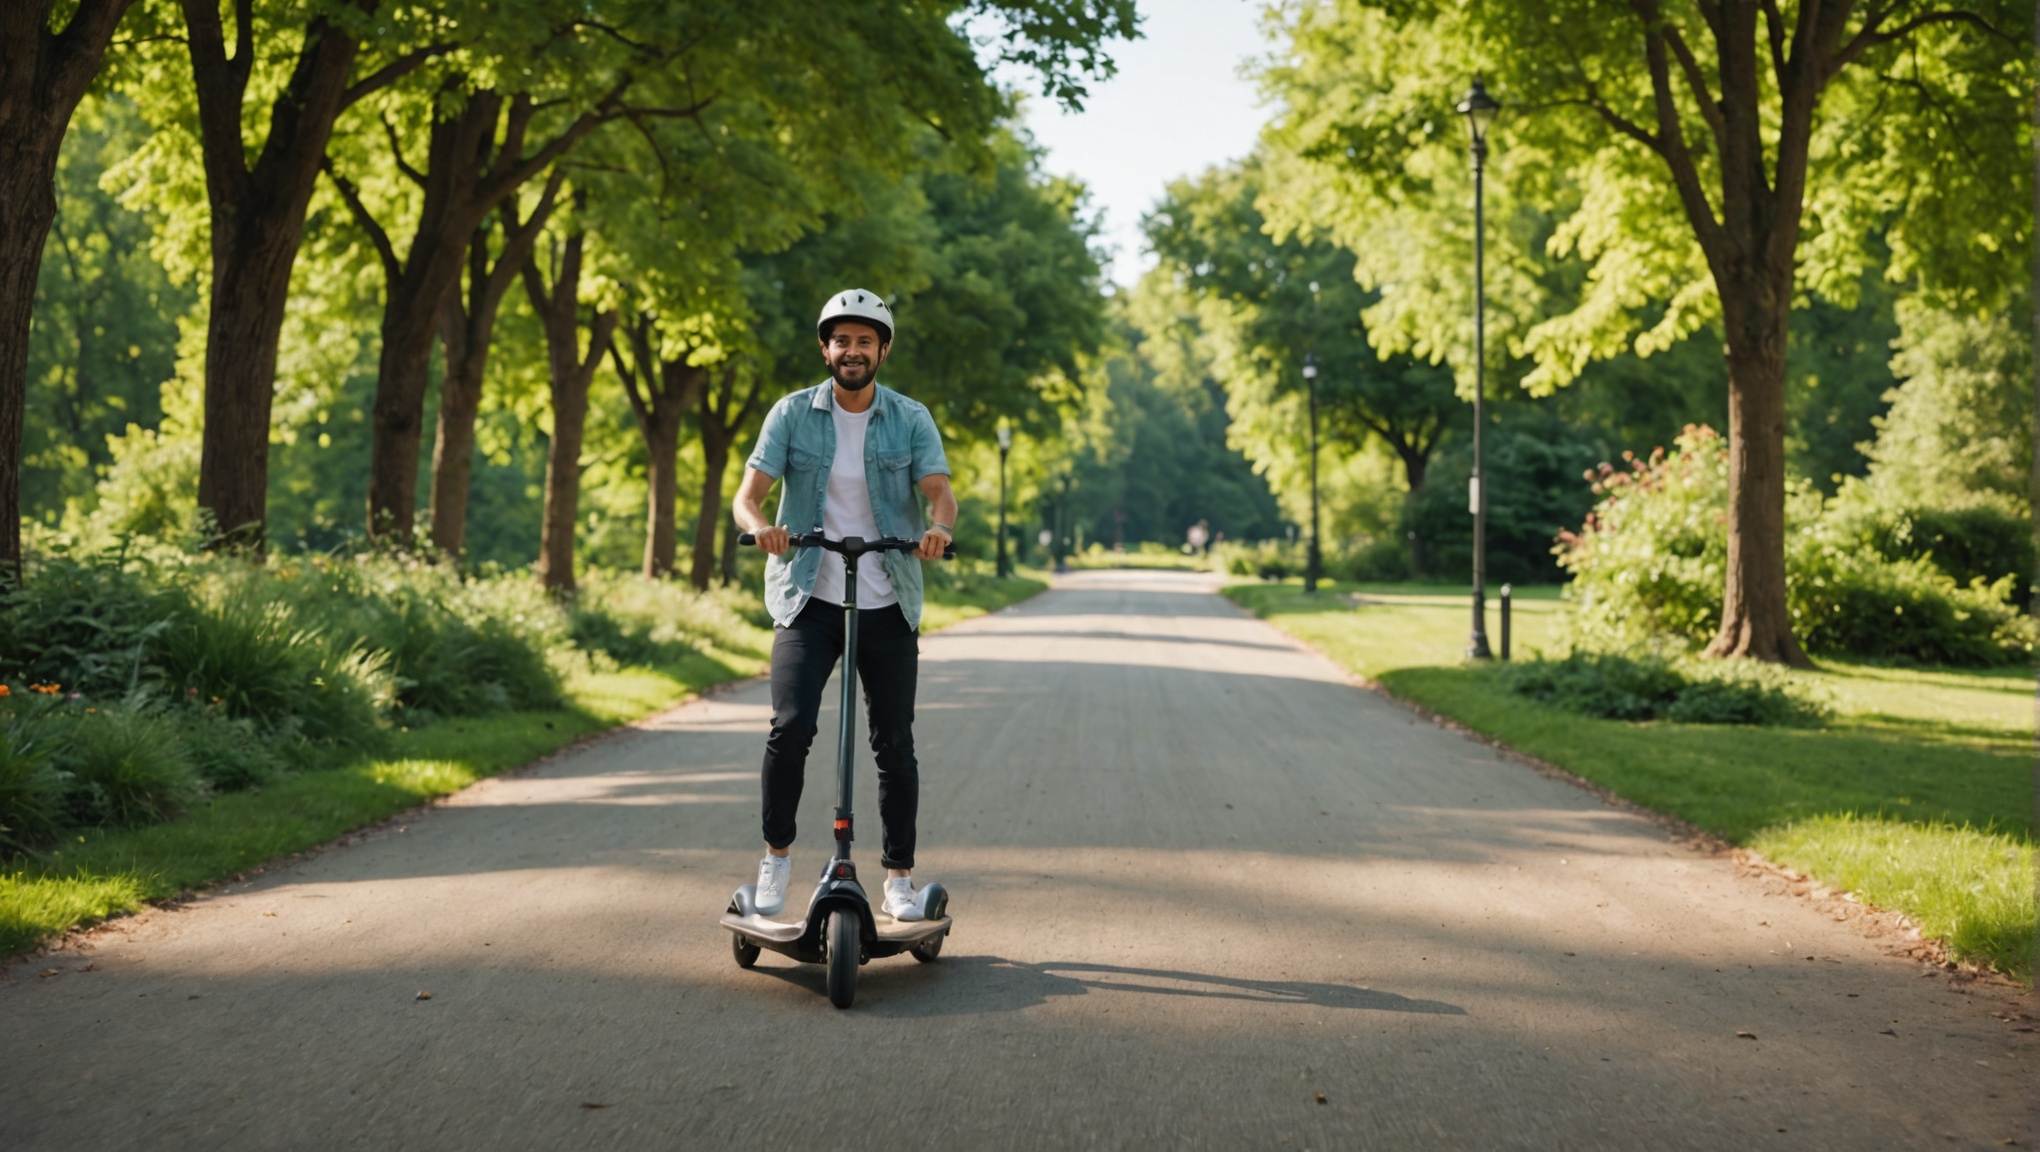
846	511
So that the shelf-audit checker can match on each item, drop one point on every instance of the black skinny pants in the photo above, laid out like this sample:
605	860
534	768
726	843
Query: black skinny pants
888	663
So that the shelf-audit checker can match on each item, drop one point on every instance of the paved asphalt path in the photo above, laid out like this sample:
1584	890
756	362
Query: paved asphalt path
1208	895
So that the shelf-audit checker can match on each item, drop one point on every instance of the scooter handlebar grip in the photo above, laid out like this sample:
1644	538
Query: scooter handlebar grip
747	538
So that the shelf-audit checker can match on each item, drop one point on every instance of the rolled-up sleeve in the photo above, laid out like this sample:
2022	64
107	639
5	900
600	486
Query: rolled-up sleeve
928	457
769	456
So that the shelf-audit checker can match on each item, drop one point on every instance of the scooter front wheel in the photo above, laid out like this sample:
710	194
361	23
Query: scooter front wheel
745	951
845	949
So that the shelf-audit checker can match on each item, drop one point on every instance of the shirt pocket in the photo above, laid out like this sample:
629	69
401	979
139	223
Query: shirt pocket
896	485
802	460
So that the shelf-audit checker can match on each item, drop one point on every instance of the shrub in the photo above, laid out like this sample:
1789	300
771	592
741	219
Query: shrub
126	768
232	755
31	789
1624	688
638	621
83	621
1378	561
1651	559
1266	560
1845	597
453	646
1978	542
256	661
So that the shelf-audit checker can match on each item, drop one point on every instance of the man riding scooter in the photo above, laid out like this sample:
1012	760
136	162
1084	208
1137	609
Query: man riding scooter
852	454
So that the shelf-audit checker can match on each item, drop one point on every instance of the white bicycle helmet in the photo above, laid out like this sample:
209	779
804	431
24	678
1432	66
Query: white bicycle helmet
860	305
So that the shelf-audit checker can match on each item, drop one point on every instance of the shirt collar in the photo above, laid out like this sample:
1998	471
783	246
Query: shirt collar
825	398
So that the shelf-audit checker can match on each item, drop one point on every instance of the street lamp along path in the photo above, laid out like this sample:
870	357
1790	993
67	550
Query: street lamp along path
1005	446
1480	109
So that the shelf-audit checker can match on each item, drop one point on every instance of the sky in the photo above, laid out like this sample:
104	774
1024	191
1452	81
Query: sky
1176	107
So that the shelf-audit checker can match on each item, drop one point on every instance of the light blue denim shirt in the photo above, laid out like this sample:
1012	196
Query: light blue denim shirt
798	445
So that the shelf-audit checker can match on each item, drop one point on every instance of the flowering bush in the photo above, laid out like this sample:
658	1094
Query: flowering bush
1651	558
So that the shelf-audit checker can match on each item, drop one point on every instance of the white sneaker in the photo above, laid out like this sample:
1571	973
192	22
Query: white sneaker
772	874
902	903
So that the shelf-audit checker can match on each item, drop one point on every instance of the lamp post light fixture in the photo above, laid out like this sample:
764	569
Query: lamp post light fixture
1005	446
1313	564
1479	108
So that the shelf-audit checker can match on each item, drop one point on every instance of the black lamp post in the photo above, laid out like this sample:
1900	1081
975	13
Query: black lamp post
1062	522
1005	446
1479	109
1314	560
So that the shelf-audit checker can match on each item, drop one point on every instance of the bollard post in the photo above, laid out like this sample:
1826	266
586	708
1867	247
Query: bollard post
1505	621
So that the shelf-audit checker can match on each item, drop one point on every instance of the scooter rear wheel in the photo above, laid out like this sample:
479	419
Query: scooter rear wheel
845	950
927	952
745	951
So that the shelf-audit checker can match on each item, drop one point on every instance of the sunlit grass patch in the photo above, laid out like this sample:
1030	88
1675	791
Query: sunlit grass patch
33	908
1974	889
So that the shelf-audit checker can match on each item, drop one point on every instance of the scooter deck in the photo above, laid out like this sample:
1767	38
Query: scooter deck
777	934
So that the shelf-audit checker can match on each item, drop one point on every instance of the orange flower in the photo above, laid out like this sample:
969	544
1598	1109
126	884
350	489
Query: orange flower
4	693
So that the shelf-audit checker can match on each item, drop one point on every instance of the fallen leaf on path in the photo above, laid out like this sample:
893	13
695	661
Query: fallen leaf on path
1321	1098
588	1103
49	972
424	995
1746	1034
1888	1032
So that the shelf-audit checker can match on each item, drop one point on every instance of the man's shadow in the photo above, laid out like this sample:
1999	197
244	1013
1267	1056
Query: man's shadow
968	985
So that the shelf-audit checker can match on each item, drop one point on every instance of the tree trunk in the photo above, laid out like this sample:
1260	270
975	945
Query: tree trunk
571	371
1414	466
242	334
729	553
707	530
467	327
562	485
722	420
258	215
460	399
419	289
661	392
662	445
1755	619
43	76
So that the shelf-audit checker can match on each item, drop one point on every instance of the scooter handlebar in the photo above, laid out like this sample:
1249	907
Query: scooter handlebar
817	540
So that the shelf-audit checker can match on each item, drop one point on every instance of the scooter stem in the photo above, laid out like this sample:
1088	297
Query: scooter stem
846	736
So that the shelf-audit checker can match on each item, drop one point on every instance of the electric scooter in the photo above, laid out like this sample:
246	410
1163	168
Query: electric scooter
839	930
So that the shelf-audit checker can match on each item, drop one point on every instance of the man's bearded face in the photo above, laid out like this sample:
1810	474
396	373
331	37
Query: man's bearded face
853	353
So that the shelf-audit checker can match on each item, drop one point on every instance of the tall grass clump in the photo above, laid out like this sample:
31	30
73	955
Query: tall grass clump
254	660
31	791
1649	565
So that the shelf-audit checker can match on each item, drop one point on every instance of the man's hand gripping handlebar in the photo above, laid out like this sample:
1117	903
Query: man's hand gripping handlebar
850	546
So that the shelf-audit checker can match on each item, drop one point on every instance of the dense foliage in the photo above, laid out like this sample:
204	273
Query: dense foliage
1646	565
134	682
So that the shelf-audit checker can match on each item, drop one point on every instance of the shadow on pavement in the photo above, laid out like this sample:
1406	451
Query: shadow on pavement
984	984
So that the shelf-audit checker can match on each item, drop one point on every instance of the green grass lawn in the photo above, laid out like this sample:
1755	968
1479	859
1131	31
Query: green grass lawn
108	872
1917	795
975	595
